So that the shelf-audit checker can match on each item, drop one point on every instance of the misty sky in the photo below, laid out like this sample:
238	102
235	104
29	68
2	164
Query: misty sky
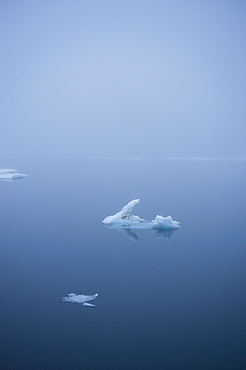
124	77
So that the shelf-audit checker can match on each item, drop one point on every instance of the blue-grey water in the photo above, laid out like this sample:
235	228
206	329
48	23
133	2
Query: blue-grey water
163	304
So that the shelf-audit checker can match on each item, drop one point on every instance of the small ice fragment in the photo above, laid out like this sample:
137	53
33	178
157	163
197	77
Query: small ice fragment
7	174
79	298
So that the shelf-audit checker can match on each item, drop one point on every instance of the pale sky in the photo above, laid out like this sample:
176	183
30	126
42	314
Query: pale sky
124	77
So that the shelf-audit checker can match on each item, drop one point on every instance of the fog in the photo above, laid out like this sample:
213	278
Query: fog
123	78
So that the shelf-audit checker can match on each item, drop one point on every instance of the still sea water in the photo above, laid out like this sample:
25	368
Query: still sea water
177	303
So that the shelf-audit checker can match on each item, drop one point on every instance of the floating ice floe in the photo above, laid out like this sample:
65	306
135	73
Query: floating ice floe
125	218
79	298
125	222
7	174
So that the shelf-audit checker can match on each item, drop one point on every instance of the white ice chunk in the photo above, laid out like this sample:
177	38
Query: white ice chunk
126	210
161	222
8	174
125	220
124	216
79	298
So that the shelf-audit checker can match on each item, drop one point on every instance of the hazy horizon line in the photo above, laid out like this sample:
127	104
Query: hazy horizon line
129	158
164	158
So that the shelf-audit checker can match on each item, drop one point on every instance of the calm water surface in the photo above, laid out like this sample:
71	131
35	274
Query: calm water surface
163	304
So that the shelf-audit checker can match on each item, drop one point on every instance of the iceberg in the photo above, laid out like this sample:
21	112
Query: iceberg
7	174
79	298
124	221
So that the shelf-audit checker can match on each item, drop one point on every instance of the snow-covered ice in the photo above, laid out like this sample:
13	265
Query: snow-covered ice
124	219
79	298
